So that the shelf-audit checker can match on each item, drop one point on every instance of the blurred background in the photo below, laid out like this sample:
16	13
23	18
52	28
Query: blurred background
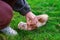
51	31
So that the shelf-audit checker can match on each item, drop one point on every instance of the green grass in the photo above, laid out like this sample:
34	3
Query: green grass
51	31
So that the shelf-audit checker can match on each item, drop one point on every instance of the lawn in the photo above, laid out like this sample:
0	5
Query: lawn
51	31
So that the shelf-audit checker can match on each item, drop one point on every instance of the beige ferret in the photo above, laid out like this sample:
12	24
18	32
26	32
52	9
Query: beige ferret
42	19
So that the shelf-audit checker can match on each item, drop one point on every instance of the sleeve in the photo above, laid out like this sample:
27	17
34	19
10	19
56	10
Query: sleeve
22	7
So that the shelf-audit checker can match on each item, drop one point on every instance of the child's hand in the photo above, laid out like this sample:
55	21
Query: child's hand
31	17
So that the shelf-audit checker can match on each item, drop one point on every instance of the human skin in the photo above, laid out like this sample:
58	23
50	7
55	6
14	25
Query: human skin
32	17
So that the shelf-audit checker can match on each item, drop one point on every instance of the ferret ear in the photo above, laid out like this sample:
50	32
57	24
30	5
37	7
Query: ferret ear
41	20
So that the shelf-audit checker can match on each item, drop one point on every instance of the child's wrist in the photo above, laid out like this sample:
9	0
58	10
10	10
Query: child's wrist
30	15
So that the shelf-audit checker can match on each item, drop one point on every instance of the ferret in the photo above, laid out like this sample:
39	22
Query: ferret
42	19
